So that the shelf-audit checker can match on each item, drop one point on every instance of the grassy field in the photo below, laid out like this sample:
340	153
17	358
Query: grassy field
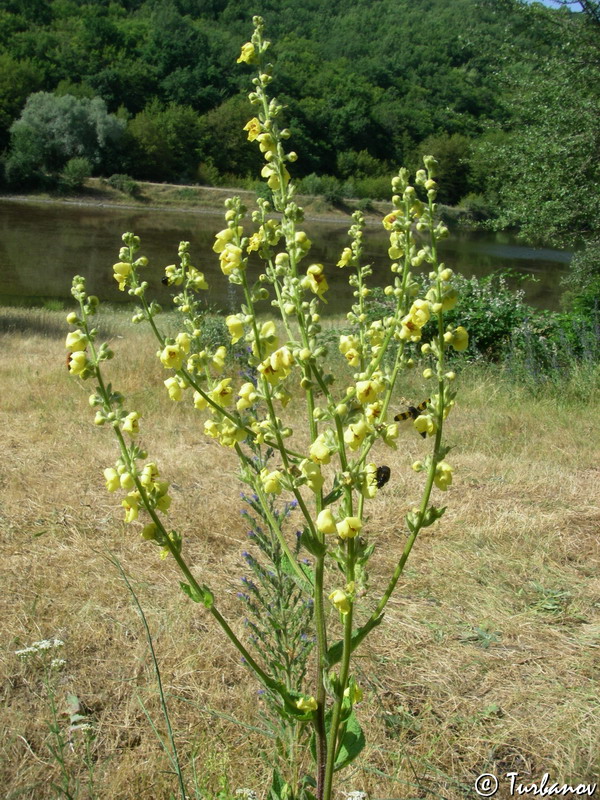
487	660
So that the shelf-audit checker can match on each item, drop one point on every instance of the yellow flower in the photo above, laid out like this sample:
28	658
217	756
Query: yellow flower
367	391
314	478
231	258
389	220
271	481
172	356
121	271
253	127
78	363
307	704
460	339
248	54
247	394
357	694
230	434
373	412
267	143
223	237
235	327
390	434
163	503
425	423
199	401
149	474
319	452
409	330
222	393
277	366
218	359
350	348
349	527
126	480
369	483
267	338
317	282
183	341
420	312
341	601
443	476
76	341
196	279
355	433
211	428
130	504
396	248
131	424
345	258
174	389
449	299
273	178
325	522
255	241
112	479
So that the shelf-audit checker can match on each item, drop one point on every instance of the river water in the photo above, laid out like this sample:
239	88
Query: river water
42	245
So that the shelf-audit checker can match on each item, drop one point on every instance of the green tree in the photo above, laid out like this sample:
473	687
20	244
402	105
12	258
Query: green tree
541	170
52	130
164	143
18	79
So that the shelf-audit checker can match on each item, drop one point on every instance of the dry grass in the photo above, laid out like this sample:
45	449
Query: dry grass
487	660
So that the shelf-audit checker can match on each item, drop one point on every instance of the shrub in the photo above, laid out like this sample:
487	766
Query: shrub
75	174
124	183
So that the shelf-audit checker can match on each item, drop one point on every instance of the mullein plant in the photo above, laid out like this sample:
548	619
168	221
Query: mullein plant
334	476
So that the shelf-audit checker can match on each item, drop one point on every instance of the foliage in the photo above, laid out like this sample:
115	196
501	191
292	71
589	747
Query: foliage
52	130
124	183
392	90
582	282
163	141
543	172
453	155
75	173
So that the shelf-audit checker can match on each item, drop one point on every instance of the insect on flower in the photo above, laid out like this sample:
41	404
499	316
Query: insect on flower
382	476
412	413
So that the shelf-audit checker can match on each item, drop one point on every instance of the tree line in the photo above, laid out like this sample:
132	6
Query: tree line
504	94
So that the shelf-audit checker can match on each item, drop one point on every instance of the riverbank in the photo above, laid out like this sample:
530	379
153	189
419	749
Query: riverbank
198	199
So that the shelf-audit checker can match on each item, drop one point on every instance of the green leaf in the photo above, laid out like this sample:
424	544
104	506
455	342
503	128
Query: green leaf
412	520
431	515
308	573
353	741
203	596
279	789
311	543
334	653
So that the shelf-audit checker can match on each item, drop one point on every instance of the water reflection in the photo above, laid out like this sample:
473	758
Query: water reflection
43	245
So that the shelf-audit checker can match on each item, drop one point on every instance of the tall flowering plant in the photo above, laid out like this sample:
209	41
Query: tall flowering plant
324	460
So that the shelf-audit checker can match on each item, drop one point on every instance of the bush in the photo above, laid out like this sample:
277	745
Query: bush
75	173
476	207
583	281
326	185
124	183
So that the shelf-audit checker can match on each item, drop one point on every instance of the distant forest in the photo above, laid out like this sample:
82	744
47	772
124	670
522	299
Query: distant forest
504	94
